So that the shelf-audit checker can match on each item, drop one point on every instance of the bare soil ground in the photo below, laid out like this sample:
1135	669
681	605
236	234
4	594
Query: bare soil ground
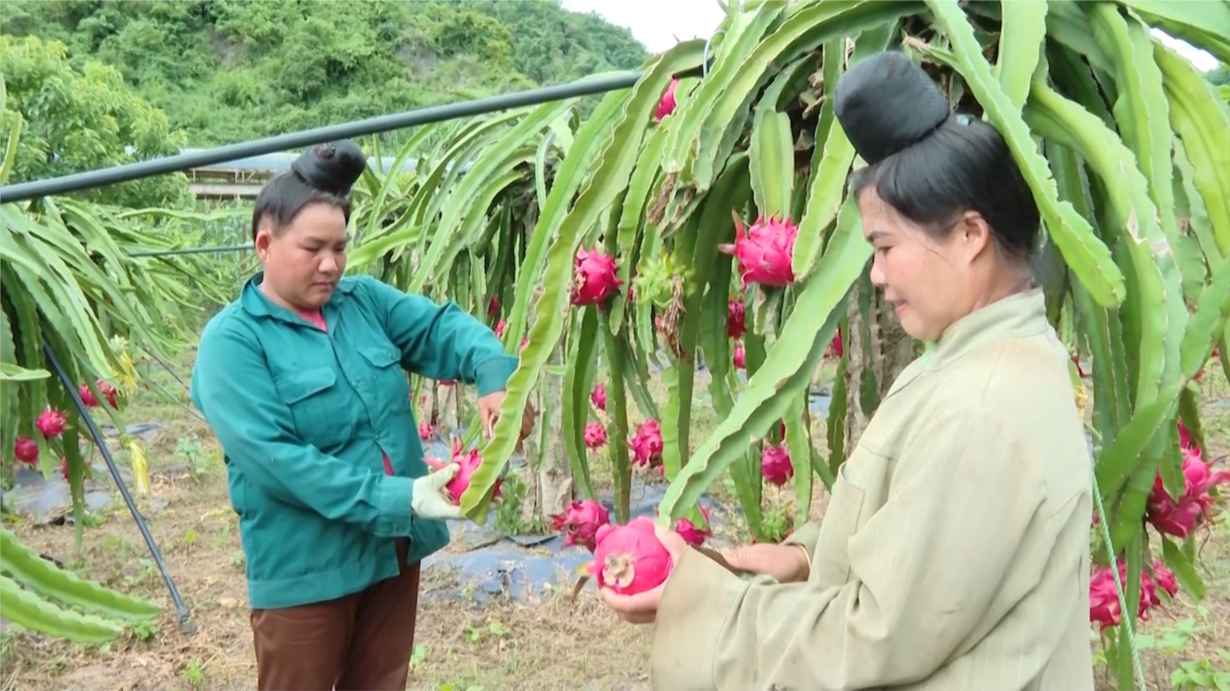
554	644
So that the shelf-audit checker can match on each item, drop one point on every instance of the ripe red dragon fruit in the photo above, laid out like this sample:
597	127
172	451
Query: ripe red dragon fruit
736	324
595	278
666	105
108	392
646	444
764	251
64	468
775	464
629	559
51	422
598	397
425	430
1104	608
493	306
25	450
740	357
595	435
499	329
581	522
467	462
690	533
1178	517
836	348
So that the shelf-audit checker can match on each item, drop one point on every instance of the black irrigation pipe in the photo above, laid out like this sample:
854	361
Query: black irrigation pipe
171	164
186	625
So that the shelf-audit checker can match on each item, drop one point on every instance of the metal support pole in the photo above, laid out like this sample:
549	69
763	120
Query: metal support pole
186	625
384	123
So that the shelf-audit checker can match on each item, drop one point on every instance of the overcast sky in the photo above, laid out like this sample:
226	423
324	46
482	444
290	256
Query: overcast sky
658	23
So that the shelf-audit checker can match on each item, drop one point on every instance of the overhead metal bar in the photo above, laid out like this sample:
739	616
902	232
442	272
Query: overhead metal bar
186	161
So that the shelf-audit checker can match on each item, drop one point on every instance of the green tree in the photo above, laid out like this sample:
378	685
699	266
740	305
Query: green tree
79	120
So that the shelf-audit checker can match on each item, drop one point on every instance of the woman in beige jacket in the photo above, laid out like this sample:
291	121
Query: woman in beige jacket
954	553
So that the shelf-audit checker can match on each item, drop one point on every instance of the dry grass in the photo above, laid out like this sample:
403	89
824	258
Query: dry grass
554	644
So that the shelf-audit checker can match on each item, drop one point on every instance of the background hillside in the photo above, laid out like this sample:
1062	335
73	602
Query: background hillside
227	70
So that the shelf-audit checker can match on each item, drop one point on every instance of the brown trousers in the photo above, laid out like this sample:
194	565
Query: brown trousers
361	642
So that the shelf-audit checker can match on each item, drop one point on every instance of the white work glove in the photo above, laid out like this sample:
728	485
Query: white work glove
428	499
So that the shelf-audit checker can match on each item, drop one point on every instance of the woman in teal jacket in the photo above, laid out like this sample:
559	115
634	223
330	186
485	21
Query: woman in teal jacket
301	379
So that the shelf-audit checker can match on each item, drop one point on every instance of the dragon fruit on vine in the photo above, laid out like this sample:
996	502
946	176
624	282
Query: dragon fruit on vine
646	444
775	464
598	397
51	422
1178	517
765	251
690	533
25	450
736	324
595	278
740	357
580	523
595	435
666	105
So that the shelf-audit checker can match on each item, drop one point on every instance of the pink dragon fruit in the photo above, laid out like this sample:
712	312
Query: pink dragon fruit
598	397
736	324
765	251
596	278
108	392
666	105
499	328
775	464
25	450
629	559
1104	608
1179	517
425	430
836	348
51	422
740	357
467	462
646	444
690	533
581	522
595	435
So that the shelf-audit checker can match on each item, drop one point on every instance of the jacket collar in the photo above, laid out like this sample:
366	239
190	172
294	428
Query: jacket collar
1018	315
255	303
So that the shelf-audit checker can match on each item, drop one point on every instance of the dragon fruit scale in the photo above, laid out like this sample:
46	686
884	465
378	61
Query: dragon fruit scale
765	250
629	559
595	278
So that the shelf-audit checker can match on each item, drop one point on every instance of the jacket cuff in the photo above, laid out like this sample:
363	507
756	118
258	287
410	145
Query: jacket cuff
395	499
805	537
696	605
492	375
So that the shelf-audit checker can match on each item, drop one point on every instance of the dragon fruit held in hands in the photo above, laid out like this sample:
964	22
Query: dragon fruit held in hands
467	462
581	522
595	278
629	559
765	251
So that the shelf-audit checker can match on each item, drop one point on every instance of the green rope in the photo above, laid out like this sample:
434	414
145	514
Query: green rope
1124	613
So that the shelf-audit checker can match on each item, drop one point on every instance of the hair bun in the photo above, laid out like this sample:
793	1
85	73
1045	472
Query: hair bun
885	103
331	167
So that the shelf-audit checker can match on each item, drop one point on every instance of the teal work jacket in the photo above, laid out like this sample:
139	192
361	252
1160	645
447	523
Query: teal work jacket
303	416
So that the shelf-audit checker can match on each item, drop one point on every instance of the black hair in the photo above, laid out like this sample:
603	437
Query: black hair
928	163
322	174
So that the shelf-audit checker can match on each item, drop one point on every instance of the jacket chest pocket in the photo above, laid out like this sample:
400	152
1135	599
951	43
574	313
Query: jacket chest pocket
312	396
386	381
852	504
